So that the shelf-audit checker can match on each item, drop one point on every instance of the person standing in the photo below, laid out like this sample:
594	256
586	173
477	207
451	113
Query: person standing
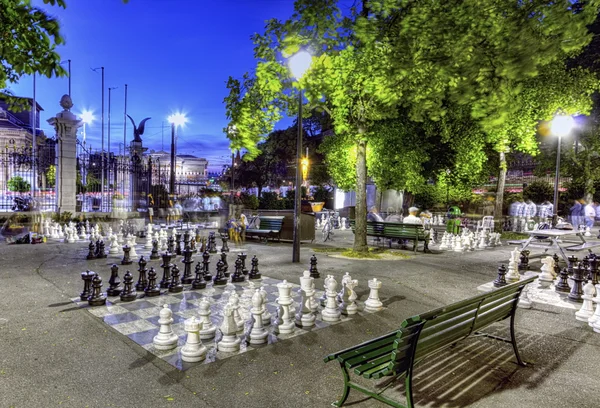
590	215
575	210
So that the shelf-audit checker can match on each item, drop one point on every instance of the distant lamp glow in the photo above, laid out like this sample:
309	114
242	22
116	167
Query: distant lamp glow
87	117
177	119
304	163
562	125
299	63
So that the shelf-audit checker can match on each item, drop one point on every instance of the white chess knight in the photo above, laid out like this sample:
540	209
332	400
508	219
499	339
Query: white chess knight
266	316
230	341
208	330
286	324
166	339
258	333
193	351
373	304
307	285
547	275
331	312
587	308
348	296
513	273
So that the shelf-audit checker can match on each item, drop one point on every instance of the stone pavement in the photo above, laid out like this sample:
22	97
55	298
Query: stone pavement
53	353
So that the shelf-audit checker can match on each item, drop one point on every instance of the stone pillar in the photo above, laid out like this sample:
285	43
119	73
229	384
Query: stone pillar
66	124
138	175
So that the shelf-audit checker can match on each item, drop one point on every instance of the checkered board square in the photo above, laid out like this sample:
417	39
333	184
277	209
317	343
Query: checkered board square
138	320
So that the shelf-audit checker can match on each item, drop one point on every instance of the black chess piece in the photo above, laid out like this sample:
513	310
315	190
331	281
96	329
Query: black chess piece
178	243
87	277
142	280
92	251
225	264
243	256
314	272
154	252
238	275
129	293
187	266
556	265
562	286
152	289
594	269
166	265
199	282
175	286
224	239
100	249
171	244
578	278
186	239
114	282
97	251
501	279
97	298
126	258
205	265
524	260
219	278
254	272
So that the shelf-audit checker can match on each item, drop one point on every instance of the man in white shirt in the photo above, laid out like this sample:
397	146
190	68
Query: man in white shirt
412	217
590	215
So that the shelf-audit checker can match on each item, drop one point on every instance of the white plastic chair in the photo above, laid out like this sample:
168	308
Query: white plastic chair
486	224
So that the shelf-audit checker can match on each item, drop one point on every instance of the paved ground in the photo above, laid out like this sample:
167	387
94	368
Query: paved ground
53	353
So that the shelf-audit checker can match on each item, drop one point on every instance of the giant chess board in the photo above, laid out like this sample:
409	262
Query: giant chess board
138	320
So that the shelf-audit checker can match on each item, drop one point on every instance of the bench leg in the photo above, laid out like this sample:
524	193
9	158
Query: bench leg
408	388
513	340
346	391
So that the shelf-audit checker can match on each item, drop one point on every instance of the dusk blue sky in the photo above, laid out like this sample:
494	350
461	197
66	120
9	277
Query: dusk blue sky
175	55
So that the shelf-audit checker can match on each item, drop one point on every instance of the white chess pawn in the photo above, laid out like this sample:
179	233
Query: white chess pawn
131	242
234	301
120	237
193	351
444	243
587	308
230	342
331	312
343	224
373	304
457	247
594	318
287	325
165	339
114	246
258	333
208	330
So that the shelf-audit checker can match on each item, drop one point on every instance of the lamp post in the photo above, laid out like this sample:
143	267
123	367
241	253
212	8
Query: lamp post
299	63
176	119
102	148
560	126
448	172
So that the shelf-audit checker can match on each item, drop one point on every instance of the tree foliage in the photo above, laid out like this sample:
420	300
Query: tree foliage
18	184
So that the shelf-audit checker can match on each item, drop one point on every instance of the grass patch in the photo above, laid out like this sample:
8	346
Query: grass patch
329	249
375	253
509	235
350	253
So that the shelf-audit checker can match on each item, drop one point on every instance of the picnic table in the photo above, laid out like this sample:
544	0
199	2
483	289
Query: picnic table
555	238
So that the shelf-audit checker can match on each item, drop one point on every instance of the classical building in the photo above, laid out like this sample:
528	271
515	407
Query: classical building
15	127
191	172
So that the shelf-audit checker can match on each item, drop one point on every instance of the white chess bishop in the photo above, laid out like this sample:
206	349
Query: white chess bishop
331	312
166	339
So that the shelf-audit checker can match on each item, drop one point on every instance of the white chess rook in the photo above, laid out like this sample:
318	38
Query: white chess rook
193	351
373	304
165	339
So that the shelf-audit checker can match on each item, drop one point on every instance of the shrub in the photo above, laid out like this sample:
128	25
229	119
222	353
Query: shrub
538	192
18	184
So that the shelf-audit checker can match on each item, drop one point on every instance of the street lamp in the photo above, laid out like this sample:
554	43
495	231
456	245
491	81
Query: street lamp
176	119
560	126
299	63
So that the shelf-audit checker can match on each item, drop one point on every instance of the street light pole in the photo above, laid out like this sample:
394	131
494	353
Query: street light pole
556	180
172	178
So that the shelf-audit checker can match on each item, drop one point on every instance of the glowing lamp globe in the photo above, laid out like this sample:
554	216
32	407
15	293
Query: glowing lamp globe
299	63
87	117
177	119
562	125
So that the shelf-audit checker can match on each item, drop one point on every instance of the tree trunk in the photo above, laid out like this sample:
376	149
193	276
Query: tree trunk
500	193
360	233
588	191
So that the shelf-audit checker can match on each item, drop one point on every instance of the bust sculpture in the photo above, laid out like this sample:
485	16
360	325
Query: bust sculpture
66	103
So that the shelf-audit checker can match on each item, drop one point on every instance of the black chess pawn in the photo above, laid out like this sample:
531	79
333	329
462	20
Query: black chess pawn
578	278
126	258
224	247
562	285
166	265
175	286
219	278
254	273
242	256
97	251
142	280
92	251
205	266
97	298
114	282
199	282
593	269
154	253
238	275
171	244
87	277
129	293
314	272
225	264
187	266
524	260
152	289
501	279
101	249
178	244
556	265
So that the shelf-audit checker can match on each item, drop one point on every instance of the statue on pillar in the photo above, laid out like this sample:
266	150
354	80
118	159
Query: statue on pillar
138	130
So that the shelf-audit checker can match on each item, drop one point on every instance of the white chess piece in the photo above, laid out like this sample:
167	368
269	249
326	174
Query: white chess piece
114	246
458	244
234	301
120	237
148	244
373	304
287	325
131	242
230	341
331	312
165	339
513	272
547	275
193	351
524	302
444	243
258	333
266	316
348	305
588	233
343	224
587	308
307	285
594	318
208	330
305	316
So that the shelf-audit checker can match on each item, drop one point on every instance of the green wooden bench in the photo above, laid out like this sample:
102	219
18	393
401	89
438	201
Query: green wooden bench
397	230
270	227
395	354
